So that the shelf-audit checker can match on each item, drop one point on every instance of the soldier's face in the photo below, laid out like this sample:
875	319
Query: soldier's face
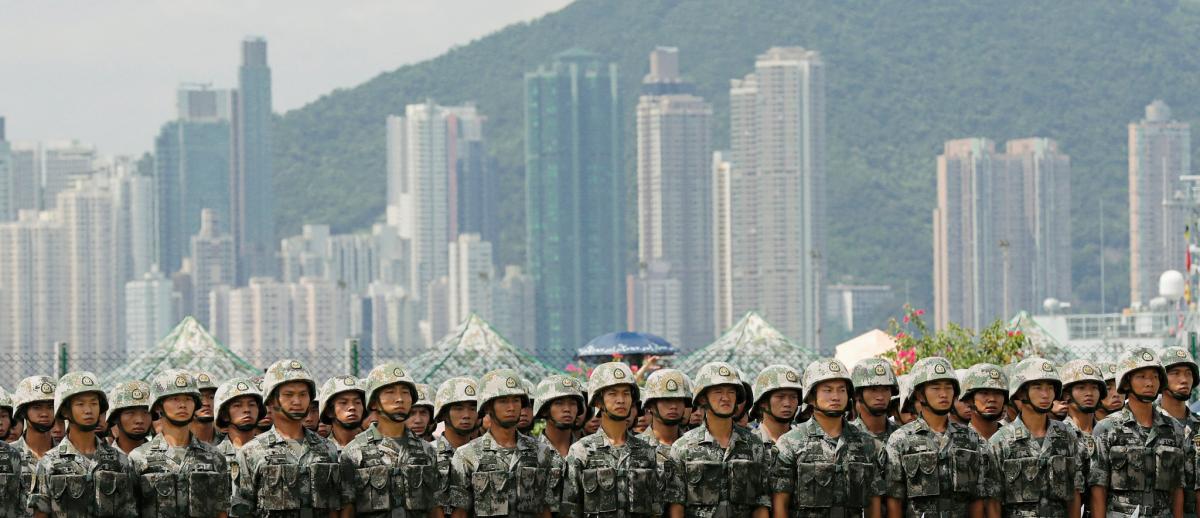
784	403
563	412
1179	380
5	422
418	420
722	400
179	408
1040	394
135	421
506	411
41	412
395	399
989	402
1086	396
831	395
1112	402
312	420
877	398
58	431
206	404
939	395
618	401
243	411
695	416
14	432
85	409
669	411
348	407
293	398
1144	382
463	416
526	417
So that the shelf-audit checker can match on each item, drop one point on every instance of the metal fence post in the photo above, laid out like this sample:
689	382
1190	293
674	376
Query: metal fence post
63	358
352	356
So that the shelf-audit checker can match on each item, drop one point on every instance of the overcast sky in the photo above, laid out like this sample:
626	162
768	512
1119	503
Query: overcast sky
106	72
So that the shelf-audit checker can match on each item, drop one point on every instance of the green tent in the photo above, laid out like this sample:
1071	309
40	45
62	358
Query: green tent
472	350
188	346
751	344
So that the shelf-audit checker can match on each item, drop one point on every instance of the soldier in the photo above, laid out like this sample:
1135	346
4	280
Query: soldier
961	413
742	416
558	402
826	467
34	406
1039	457
455	406
1140	458
1083	389
667	397
502	472
312	419
239	405
82	476
14	486
612	473
288	470
389	470
525	425
129	414
179	475
985	390
341	406
934	466
1182	374
777	392
202	425
1113	402
905	408
875	385
718	469
420	421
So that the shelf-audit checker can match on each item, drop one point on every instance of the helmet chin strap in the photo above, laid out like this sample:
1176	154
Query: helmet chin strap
1144	399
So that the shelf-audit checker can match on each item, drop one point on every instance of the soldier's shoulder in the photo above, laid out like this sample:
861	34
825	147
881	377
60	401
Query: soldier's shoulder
691	437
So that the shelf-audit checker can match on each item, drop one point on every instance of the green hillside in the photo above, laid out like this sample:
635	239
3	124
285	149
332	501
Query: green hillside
902	78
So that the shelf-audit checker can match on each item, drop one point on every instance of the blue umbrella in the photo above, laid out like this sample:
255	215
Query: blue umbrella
627	343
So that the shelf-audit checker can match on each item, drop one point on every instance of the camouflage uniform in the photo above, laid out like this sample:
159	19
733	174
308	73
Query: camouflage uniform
180	482
983	376
1041	476
11	481
1074	372
492	480
451	391
328	391
390	476
607	481
281	477
1140	467
935	474
34	389
208	383
425	399
874	372
554	387
664	384
226	393
828	476
1172	357
715	482
69	484
772	378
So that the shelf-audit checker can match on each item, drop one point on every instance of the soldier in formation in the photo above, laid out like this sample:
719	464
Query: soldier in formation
239	406
421	420
455	407
777	392
1182	373
341	407
985	390
12	484
875	386
128	415
33	404
558	403
203	425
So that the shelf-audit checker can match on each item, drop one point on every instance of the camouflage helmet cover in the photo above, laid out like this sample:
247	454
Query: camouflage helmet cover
173	382
904	382
983	376
76	383
287	371
667	384
205	381
31	390
6	401
611	374
497	384
826	369
1109	371
930	369
423	398
874	372
553	387
715	374
388	374
1174	356
454	390
1137	359
1034	369
529	389
233	389
129	394
777	377
334	386
1081	370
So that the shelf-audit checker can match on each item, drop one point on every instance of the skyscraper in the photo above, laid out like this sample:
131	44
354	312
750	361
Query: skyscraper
515	308
213	263
472	185
471	279
8	211
94	302
675	198
774	194
148	315
33	264
418	188
574	194
192	161
1047	184
60	163
1160	152
252	195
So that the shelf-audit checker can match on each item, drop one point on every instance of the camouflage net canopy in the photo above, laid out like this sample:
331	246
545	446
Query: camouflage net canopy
188	347
751	345
471	350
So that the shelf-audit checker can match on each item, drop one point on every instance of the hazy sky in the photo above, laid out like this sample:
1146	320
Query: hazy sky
106	72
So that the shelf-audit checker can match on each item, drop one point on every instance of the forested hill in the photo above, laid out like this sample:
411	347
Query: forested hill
903	76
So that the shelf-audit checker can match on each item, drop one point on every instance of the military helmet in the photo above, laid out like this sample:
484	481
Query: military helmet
874	372
423	398
553	387
76	383
451	391
529	389
1174	356
287	371
611	374
233	389
714	374
205	381
1109	371
31	390
1034	369
6	401
983	376
130	394
930	369
826	369
334	386
667	384
777	377
172	382
497	384
904	382
388	374
1081	370
1136	359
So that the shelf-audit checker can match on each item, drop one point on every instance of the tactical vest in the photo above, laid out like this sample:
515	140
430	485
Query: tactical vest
387	478
193	489
715	488
284	484
836	484
1142	473
499	489
76	491
1038	485
611	484
941	482
13	505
